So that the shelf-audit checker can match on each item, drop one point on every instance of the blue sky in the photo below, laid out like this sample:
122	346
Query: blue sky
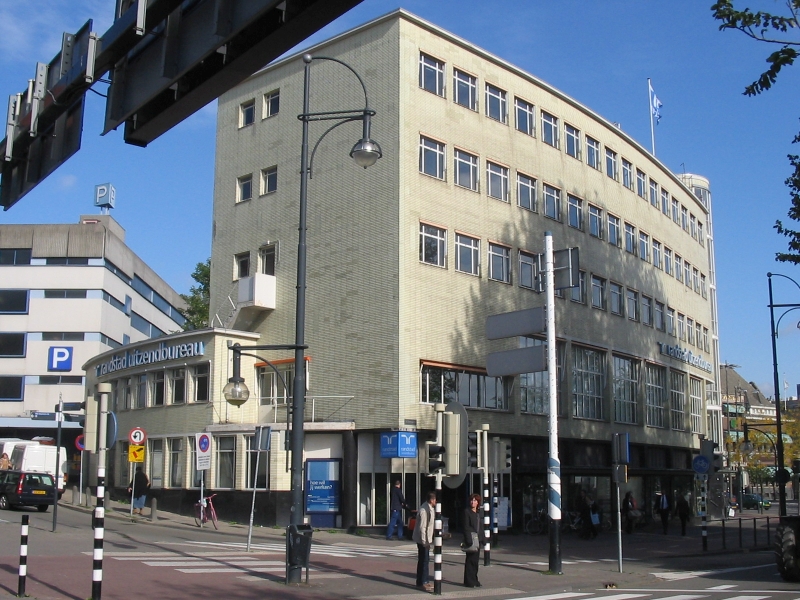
600	53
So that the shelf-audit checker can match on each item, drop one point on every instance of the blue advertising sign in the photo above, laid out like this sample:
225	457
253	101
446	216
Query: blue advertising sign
389	444
323	485
399	444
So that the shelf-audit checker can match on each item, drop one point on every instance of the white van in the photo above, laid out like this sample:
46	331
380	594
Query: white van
43	460
8	444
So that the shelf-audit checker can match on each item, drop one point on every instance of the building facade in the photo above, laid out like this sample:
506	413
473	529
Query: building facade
408	258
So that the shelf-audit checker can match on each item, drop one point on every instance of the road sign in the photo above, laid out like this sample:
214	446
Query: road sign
700	464
136	454
79	443
203	451
137	436
513	362
513	324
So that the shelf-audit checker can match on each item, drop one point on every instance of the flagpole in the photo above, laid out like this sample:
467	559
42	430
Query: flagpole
650	105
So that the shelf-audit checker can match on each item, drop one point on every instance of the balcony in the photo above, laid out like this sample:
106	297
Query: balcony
257	292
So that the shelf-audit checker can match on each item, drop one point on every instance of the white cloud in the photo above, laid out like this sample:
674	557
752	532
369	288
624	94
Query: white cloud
67	182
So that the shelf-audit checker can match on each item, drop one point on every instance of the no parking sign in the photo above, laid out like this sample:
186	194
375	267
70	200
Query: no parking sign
203	451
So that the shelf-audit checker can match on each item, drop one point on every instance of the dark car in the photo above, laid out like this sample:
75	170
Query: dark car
24	488
754	500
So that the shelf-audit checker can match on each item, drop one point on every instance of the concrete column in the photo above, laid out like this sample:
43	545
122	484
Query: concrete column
349	481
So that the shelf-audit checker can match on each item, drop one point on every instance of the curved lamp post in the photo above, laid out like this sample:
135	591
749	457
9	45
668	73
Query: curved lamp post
780	474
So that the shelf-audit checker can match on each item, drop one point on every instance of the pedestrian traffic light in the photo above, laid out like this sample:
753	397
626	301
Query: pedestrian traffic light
433	457
796	466
473	452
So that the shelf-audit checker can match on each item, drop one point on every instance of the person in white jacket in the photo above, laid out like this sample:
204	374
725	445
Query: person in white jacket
423	536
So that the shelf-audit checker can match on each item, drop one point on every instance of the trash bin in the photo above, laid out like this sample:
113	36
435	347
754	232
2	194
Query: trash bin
298	547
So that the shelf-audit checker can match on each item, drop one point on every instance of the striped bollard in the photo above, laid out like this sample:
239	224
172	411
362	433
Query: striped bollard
704	517
23	556
487	526
99	527
495	514
437	539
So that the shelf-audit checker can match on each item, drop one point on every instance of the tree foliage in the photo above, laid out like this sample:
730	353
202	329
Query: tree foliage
782	30
198	298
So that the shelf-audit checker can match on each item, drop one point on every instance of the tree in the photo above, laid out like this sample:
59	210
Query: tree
198	298
782	30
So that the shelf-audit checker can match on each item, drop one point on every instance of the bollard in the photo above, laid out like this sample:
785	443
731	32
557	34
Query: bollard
87	497
74	495
740	532
154	510
23	556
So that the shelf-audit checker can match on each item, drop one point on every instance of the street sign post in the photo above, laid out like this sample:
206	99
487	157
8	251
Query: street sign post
136	454
203	446
137	436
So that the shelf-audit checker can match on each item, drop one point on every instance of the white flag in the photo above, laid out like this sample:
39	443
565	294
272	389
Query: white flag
655	103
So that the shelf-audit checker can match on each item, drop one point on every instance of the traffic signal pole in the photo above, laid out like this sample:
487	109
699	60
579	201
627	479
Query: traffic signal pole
487	526
437	523
553	463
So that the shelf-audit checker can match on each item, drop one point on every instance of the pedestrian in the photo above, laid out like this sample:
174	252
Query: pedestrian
473	534
396	504
589	513
138	489
5	463
684	512
664	505
423	536
629	511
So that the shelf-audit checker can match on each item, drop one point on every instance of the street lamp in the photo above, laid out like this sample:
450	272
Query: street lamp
781	475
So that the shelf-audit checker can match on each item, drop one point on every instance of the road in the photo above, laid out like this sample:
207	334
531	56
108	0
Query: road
174	559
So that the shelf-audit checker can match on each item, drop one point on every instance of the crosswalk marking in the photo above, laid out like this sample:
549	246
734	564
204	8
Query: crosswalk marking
680	575
722	587
209	563
562	596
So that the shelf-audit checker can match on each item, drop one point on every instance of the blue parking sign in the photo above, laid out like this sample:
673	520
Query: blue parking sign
59	358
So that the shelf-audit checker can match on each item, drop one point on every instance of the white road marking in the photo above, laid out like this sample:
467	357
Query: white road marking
680	575
562	596
722	587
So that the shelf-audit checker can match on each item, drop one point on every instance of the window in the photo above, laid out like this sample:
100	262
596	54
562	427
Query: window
676	211
552	202
690	331
196	476
705	339
65	336
656	254
655	395
269	180
625	384
684	218
632	305
592	153
575	212
678	268
644	246
11	388
201	388
127	393
654	193
598	292
665	202
61	379
534	387
431	74
114	302
527	270
178	386
700	236
465	89
226	460
703	289
12	345
467	254
630	238
71	294
687	274
176	463
257	478
668	261
156	463
587	383
526	191
496	103
573	141
641	184
499	263
526	122
615	299
696	404
158	388
247	113
647	310
139	323
681	327
497	178
432	245
272	389
268	257
696	280
596	221
658	320
471	388
578	293
244	188
627	174
272	103
13	302
466	169
671	321
549	129
431	158
15	256
611	164
67	260
677	400
141	391
242	265
613	231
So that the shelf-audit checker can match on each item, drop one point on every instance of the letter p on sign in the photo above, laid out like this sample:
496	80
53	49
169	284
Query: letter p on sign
59	358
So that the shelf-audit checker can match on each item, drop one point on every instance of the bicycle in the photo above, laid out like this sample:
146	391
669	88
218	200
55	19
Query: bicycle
204	510
537	523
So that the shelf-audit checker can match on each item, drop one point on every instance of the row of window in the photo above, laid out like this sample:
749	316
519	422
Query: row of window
267	259
268	183
170	460
270	106
12	387
157	388
576	144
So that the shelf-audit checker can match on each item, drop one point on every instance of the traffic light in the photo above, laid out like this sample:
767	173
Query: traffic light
433	457
473	451
451	424
796	466
708	449
507	455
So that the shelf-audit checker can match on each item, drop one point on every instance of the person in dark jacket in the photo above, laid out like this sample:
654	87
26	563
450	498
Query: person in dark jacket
138	489
664	506
397	503
684	512
472	524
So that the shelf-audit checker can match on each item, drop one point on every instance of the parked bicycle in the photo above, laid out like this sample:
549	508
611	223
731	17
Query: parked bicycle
204	511
537	523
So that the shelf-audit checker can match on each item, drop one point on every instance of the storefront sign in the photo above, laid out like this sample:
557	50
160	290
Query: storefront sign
137	357
685	355
399	444
322	485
